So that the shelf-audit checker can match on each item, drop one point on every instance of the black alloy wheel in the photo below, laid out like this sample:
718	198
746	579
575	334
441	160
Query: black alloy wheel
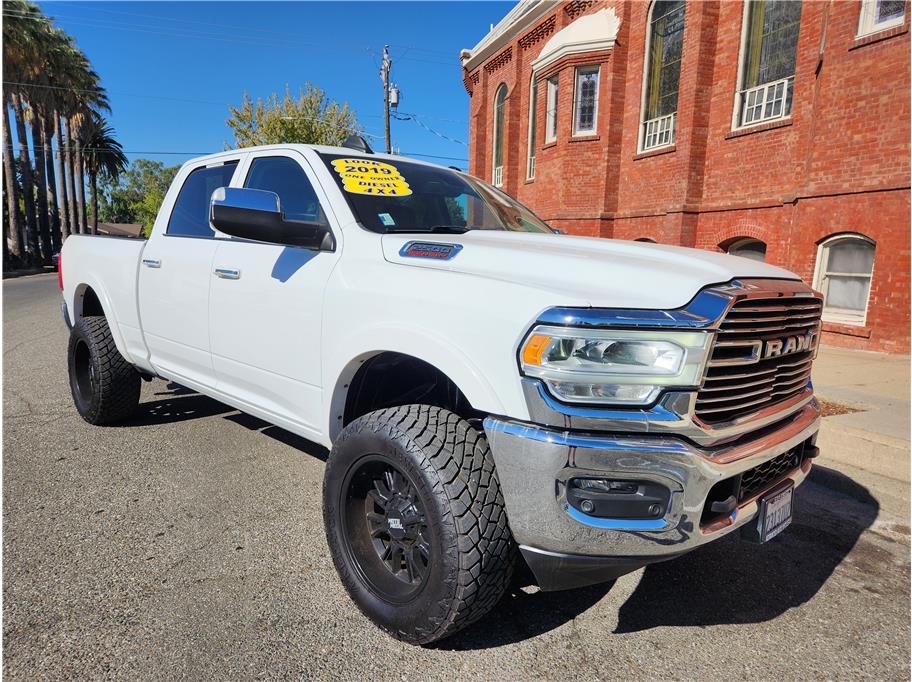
415	521
385	523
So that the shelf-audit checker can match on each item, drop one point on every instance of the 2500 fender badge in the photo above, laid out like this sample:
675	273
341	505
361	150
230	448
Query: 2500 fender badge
432	250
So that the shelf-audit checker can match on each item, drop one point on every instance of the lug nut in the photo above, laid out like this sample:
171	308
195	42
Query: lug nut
655	509
587	506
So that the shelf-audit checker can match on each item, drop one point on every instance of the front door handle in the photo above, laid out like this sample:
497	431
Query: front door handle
227	273
152	262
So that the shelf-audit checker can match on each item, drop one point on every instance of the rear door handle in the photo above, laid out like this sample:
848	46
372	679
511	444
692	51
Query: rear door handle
227	273
152	262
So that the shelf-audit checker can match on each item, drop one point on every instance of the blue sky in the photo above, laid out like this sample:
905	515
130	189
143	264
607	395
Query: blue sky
171	68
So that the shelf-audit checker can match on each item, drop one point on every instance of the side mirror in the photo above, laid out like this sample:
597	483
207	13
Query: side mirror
257	215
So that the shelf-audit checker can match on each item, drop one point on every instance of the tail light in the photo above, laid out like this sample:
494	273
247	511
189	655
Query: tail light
60	270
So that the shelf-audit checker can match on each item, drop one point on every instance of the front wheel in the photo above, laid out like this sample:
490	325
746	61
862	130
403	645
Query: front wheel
415	521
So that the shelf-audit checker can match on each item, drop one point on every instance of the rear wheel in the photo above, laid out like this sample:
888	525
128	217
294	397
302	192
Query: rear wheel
415	521
104	385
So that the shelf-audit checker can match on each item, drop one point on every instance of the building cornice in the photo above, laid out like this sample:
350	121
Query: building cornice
516	21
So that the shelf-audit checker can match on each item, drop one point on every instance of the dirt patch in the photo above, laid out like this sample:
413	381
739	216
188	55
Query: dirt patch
828	408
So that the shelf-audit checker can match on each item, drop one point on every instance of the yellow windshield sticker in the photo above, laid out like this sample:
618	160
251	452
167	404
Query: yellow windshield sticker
367	176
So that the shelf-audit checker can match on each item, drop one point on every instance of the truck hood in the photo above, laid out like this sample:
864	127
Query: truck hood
581	271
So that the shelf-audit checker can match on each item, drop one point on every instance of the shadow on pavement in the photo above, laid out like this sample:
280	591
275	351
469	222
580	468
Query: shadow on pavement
520	616
285	437
732	582
182	405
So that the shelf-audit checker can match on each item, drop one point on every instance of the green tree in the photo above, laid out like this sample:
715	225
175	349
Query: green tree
311	118
136	194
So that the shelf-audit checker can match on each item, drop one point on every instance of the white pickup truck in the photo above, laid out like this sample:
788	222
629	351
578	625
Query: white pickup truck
495	395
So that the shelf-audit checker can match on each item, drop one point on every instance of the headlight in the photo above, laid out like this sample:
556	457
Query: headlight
605	366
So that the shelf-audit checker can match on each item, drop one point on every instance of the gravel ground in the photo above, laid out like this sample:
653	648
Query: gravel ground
189	544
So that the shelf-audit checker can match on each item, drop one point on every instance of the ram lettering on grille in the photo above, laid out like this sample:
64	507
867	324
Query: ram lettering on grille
762	356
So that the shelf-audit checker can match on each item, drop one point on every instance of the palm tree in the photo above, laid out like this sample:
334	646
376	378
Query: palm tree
22	30
44	231
14	229
103	155
49	80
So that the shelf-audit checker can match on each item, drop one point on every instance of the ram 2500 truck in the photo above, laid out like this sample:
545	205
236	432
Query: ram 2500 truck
493	393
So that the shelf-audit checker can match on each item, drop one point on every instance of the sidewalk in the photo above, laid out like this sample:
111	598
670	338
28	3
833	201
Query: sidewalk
876	438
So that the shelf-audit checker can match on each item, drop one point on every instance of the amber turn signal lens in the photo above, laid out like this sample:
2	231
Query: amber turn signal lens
535	346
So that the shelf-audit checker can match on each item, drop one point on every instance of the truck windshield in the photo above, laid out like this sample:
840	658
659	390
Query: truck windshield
389	195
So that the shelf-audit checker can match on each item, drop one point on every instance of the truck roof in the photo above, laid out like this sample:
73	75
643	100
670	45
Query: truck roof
319	148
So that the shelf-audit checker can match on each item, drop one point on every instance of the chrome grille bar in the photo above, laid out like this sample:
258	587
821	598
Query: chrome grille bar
743	374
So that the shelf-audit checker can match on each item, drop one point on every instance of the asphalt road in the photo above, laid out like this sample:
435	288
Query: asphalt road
189	544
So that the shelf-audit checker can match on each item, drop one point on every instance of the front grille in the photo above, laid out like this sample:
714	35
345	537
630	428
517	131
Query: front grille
754	481
739	380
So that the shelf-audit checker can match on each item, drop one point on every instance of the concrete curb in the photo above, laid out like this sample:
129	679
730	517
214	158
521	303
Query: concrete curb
876	453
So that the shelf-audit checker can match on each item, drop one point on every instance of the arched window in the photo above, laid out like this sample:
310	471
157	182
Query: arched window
769	44
533	105
500	101
845	264
661	74
646	240
748	248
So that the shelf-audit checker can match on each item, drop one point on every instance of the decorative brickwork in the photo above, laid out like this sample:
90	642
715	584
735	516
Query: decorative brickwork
470	81
577	7
839	163
499	61
543	30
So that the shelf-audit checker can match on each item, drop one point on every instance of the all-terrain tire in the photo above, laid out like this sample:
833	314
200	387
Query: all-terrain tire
448	465
104	385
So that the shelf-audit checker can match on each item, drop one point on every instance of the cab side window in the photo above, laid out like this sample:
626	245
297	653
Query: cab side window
190	217
285	177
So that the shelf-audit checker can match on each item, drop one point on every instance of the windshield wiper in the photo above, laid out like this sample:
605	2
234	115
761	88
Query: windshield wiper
433	229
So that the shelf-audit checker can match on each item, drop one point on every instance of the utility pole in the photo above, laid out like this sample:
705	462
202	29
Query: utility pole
384	73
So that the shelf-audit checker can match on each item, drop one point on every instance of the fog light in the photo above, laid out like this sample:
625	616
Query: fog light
618	498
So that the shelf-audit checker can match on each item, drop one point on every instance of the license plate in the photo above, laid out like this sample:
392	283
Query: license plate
775	513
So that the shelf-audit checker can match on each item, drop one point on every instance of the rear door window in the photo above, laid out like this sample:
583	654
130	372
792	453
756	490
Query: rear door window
190	216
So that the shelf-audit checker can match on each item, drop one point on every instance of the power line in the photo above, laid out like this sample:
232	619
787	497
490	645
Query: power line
179	32
183	99
402	116
243	28
172	32
197	153
103	91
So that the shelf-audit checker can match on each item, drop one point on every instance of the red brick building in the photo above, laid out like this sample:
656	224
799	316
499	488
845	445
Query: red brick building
772	129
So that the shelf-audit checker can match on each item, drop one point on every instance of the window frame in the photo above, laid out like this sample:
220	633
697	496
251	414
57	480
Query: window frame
867	25
741	242
577	72
497	140
821	273
552	90
233	161
741	96
248	169
533	122
642	137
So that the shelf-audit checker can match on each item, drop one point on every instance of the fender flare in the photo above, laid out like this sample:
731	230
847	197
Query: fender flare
75	311
416	343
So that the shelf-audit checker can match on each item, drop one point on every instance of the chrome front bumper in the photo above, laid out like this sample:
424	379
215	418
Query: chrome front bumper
535	462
